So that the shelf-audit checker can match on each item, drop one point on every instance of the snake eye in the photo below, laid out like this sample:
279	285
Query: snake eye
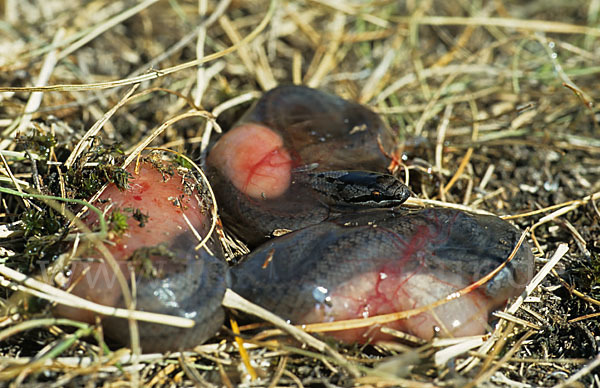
376	193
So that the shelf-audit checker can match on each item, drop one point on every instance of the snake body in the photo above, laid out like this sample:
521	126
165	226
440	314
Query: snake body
336	164
450	249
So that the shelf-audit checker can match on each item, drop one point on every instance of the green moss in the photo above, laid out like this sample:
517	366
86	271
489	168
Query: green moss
86	182
118	222
39	143
117	175
140	217
98	166
38	251
118	219
37	222
183	162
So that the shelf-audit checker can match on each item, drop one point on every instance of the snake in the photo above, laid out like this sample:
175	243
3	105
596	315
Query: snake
324	151
302	179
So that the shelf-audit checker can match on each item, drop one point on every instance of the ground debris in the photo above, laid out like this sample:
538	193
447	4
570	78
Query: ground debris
494	105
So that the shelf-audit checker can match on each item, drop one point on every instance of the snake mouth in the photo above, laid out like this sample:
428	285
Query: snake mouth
378	200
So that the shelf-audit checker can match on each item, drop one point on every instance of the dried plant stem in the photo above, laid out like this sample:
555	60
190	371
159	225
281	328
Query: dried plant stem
528	25
43	290
234	301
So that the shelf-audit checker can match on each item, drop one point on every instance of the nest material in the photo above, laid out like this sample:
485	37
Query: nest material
493	108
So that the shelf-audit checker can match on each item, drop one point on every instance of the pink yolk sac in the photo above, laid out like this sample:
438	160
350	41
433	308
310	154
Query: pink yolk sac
378	293
253	158
158	247
381	262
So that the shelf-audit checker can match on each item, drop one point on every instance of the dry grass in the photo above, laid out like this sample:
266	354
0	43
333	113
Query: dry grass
494	110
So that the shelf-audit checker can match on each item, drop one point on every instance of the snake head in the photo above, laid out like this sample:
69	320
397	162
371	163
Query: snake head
358	188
